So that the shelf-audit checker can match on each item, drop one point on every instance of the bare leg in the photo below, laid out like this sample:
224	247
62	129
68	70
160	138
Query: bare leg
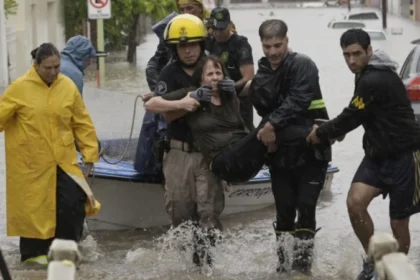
401	231
358	199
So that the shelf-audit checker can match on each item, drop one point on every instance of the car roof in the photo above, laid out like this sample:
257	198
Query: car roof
369	31
374	30
416	42
345	20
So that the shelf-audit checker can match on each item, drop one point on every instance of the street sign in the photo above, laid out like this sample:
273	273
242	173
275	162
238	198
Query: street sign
99	9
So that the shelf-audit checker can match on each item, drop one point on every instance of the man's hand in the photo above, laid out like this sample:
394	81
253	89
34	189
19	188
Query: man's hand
245	90
312	138
272	148
89	167
91	200
147	96
267	135
188	103
227	85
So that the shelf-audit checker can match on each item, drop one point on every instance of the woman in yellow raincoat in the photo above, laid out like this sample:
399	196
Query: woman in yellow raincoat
43	114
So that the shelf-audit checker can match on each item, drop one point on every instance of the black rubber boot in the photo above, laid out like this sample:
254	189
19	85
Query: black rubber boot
303	251
202	243
284	257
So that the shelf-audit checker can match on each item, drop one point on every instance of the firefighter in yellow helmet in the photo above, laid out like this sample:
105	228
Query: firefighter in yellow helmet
192	191
162	55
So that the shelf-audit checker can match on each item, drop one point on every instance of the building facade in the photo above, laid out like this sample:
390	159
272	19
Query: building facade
406	8
36	22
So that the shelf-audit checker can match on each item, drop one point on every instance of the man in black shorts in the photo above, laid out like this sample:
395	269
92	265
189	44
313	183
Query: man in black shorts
391	142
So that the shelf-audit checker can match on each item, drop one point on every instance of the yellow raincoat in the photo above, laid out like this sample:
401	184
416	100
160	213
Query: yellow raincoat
41	124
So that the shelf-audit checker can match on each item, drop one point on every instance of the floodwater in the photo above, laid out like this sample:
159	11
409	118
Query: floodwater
247	250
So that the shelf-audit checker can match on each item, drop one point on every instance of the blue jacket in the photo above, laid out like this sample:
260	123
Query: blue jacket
77	50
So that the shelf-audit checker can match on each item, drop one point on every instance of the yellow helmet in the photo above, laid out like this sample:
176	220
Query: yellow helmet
185	28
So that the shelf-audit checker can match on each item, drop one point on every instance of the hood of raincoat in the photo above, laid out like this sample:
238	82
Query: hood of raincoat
381	60
159	27
79	49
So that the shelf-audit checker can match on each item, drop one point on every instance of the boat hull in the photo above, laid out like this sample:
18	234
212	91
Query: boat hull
127	204
129	201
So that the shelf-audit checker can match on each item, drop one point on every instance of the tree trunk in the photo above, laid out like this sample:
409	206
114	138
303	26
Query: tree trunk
132	44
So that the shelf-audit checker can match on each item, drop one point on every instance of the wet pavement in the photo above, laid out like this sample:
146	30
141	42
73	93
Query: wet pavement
248	248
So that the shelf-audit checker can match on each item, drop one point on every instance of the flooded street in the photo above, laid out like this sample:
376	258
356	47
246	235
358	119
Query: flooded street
247	250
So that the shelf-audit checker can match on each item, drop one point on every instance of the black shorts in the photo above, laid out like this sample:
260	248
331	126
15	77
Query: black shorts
400	178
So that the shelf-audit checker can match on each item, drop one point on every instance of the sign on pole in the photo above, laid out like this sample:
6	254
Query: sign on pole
99	9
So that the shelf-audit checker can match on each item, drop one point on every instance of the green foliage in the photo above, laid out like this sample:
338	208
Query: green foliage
158	9
124	13
10	7
75	12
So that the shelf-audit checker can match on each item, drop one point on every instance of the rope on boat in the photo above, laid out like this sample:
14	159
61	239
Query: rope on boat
129	140
131	133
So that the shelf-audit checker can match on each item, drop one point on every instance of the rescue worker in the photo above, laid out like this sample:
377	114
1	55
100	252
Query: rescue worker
217	126
285	91
391	142
163	54
147	160
42	114
236	54
75	58
192	191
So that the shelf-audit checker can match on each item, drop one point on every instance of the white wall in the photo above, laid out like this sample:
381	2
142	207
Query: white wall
4	71
394	7
36	22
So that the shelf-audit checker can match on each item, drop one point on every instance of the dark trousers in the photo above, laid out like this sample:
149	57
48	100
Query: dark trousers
297	190
240	161
71	214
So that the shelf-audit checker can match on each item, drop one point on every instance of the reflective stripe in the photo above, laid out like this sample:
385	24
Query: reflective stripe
317	104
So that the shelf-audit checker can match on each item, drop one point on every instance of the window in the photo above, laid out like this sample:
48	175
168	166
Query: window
347	25
405	71
364	16
418	61
376	35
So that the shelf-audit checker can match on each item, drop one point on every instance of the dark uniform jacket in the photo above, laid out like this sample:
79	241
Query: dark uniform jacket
380	103
291	96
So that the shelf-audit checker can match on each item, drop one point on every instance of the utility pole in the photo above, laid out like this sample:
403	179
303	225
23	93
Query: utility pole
101	45
384	13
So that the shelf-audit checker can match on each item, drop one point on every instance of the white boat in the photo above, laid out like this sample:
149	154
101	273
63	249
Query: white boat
129	203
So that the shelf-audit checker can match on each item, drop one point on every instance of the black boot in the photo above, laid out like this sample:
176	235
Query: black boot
284	258
303	251
203	240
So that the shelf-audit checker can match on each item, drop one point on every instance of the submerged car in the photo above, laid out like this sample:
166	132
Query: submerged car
362	16
345	24
376	34
410	75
